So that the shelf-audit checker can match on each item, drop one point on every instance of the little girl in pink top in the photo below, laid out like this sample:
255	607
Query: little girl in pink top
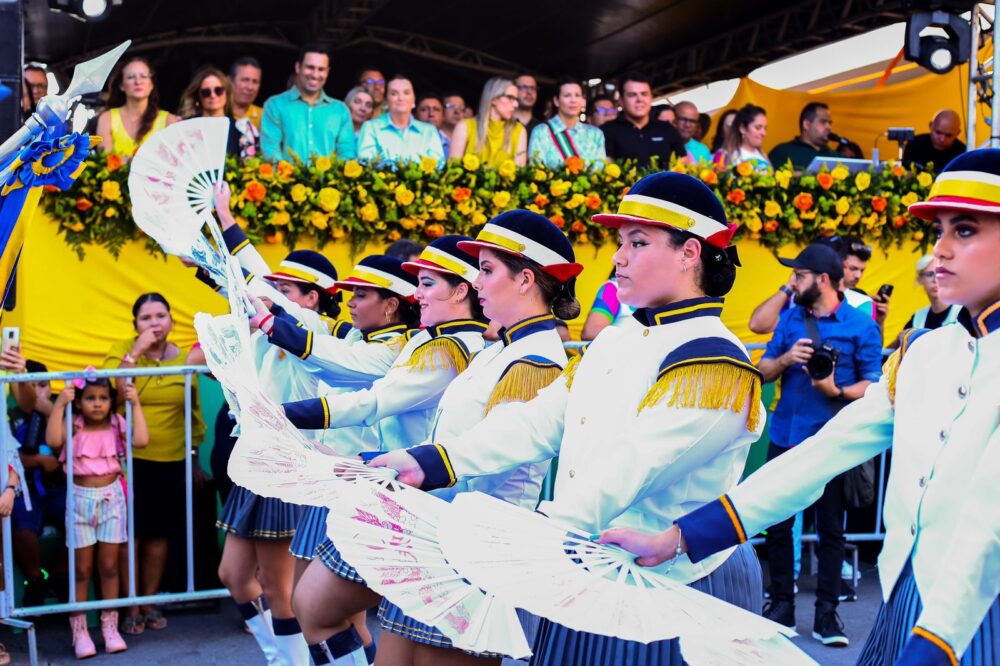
99	506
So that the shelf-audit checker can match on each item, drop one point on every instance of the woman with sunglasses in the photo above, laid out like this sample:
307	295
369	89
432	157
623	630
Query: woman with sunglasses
494	135
133	109
940	560
210	95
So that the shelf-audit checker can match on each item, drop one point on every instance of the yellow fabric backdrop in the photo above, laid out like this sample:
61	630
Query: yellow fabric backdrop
71	311
864	115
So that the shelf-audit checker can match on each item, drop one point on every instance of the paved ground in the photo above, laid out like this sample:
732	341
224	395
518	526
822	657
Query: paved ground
214	635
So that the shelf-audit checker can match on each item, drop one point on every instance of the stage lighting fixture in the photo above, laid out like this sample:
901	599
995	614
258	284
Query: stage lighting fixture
85	10
936	52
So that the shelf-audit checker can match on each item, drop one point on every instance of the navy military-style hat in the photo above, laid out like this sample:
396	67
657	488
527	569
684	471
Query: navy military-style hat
674	200
970	182
382	272
445	256
307	267
529	235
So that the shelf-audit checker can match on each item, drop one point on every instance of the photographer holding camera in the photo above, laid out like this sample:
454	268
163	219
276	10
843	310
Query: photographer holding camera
826	356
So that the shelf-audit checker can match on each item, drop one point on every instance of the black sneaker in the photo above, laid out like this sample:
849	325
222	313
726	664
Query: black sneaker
827	627
782	612
847	593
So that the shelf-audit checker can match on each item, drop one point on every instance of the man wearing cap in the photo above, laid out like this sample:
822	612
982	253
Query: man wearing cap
806	404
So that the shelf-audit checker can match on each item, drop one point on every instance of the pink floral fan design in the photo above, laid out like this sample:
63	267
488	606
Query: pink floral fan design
556	571
391	539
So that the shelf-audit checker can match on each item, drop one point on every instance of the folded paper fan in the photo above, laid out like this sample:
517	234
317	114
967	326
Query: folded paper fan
175	170
391	539
556	572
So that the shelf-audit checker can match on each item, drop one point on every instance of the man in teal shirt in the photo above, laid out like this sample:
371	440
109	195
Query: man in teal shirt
304	122
687	124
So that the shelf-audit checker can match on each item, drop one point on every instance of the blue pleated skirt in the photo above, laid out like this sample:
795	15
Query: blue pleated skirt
332	560
310	532
253	517
896	619
737	581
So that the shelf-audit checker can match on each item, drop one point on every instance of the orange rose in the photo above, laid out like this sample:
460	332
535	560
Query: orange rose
255	192
285	169
50	188
879	204
84	204
744	168
461	194
736	196
275	238
558	220
434	231
541	201
114	162
709	177
898	221
593	201
578	226
770	226
803	201
897	171
825	180
266	170
575	164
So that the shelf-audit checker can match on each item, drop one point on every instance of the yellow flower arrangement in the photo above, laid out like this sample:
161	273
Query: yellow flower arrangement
332	200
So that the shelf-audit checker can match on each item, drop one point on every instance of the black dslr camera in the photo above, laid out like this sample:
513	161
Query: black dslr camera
820	364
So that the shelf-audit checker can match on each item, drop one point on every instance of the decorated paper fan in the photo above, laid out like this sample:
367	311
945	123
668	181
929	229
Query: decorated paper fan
555	571
272	457
391	539
175	170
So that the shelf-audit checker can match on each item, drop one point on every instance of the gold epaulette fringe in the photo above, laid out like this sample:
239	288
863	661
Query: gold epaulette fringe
570	370
522	383
891	370
709	386
440	353
396	343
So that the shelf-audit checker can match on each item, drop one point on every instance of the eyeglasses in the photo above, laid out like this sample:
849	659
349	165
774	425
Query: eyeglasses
527	87
687	121
510	98
138	76
861	247
604	111
218	91
928	274
374	82
456	107
801	275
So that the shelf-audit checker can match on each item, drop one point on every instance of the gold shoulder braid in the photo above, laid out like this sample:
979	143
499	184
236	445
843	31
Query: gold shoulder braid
709	373
522	380
570	370
890	369
442	352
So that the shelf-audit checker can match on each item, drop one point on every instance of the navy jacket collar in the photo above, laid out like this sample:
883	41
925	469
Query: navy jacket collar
456	326
526	327
368	335
706	306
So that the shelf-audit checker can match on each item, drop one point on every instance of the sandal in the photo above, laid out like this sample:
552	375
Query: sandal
155	620
133	625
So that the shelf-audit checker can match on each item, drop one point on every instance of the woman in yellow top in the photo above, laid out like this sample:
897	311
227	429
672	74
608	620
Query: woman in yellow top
133	109
494	135
158	469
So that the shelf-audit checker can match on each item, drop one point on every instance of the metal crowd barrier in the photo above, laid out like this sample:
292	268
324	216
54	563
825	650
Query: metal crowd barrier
10	614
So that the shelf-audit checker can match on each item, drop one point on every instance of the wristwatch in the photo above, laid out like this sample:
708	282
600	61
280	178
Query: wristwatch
840	395
785	290
16	488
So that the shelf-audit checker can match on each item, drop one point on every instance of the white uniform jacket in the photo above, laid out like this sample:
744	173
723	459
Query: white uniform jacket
938	407
528	357
652	422
401	405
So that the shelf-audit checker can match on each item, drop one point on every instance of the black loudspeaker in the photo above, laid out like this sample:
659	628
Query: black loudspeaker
11	57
